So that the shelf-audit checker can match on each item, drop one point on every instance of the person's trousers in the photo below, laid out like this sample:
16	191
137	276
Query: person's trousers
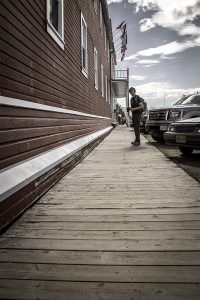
136	125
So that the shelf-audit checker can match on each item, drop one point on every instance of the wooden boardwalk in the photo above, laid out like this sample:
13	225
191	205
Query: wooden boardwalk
124	224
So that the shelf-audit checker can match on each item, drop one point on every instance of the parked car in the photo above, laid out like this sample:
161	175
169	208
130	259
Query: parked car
159	119
185	134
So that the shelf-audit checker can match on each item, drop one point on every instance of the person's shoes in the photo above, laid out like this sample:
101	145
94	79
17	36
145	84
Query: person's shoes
136	143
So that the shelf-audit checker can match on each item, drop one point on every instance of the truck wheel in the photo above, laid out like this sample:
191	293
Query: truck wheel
186	151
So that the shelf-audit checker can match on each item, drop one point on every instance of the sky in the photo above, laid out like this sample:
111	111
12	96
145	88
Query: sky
163	49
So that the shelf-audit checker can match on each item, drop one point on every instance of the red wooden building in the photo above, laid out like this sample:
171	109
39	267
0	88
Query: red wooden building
56	93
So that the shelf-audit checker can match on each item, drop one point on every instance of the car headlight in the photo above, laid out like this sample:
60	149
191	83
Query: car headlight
171	128
175	114
197	130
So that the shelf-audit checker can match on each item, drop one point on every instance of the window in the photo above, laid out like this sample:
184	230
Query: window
108	50
102	82
55	21
105	37
108	91
106	88
95	5
101	20
96	68
193	99
84	58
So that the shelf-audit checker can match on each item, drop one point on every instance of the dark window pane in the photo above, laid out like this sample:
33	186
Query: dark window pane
54	13
194	99
84	58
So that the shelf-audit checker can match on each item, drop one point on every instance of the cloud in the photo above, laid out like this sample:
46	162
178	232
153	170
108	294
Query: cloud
169	14
158	93
131	57
113	1
144	4
164	50
190	29
137	77
168	49
148	61
146	24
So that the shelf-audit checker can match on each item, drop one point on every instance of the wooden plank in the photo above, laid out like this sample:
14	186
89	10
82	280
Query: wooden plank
120	225
22	156
104	245
51	290
20	122
37	217
97	204
17	112
162	274
18	147
27	133
62	234
116	212
141	258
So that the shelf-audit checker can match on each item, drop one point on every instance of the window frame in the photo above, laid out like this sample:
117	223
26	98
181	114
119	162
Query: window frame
58	36
84	68
102	81
105	37
101	19
96	68
108	51
109	92
106	91
95	5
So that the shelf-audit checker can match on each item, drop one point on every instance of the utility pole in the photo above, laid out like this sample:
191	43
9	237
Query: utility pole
164	98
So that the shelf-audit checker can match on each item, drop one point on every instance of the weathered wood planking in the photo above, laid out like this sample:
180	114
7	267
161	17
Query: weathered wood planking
40	223
32	218
140	258
51	290
101	245
62	272
63	234
102	233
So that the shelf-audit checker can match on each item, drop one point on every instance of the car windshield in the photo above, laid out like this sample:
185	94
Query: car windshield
194	99
181	100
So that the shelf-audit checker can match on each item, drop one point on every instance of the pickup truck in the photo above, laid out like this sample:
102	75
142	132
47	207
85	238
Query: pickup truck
159	119
185	134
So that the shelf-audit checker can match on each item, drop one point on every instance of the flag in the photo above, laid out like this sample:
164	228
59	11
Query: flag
122	56
120	25
123	48
124	38
123	29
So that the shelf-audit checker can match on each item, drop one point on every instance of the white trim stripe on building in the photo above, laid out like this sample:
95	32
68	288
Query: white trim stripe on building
15	177
32	105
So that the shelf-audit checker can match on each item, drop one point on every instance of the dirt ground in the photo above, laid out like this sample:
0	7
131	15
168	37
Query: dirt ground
190	164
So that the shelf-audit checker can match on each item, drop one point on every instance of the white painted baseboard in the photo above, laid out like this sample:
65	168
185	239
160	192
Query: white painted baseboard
19	175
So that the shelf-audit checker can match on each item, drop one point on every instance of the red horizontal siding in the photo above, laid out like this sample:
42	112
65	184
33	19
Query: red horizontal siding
36	69
27	132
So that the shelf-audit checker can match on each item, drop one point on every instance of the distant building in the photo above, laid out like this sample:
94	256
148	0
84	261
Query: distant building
55	93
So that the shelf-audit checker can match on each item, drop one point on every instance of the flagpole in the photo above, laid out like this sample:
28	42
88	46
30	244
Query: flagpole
127	98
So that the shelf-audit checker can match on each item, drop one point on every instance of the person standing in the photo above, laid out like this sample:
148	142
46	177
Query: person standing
137	107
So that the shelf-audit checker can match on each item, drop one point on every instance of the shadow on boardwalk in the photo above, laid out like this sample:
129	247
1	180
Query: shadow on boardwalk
124	224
